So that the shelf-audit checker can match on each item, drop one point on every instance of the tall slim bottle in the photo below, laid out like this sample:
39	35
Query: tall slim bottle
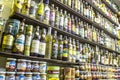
35	43
57	18
69	23
52	15
61	21
65	26
48	43
70	50
73	51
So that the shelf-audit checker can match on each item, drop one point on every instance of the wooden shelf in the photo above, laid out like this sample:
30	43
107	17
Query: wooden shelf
36	22
109	6
100	11
70	10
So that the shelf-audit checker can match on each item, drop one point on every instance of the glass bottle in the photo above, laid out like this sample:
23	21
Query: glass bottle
72	4
61	21
65	2
65	49
77	26
86	29
73	24
46	12
65	26
8	38
77	51
40	10
35	43
81	7
48	43
73	50
52	15
75	5
57	18
78	6
60	47
19	40
42	46
69	3
70	49
28	39
69	23
82	30
54	46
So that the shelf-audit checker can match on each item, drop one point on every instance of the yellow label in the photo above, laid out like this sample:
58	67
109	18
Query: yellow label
53	79
8	40
65	55
41	9
19	3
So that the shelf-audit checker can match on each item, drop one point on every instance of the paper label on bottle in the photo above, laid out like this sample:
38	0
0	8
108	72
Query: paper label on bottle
28	40
82	32
47	15
65	52
41	9
2	77
35	46
8	40
61	20
19	42
66	23
52	16
21	77
42	48
60	50
57	19
77	30
55	50
69	25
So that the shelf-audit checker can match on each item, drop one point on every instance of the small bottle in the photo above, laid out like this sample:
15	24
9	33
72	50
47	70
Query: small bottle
52	15
35	43
61	21
65	49
60	47
42	46
54	46
48	43
57	18
65	26
19	40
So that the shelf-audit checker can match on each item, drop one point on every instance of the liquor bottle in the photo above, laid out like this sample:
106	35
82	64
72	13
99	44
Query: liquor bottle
25	8
82	30
61	1
72	4
84	8
35	43
75	5
61	21
28	39
8	38
65	49
73	25
19	39
46	12
70	49
76	26
69	3
65	26
60	47
81	7
77	51
42	46
54	46
65	2
40	11
69	24
57	18
85	29
78	6
52	15
87	10
73	51
48	43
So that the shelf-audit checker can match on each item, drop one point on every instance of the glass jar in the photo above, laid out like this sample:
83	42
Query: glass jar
20	76
36	76
35	66
43	76
10	76
21	65
11	64
2	75
28	76
43	67
28	66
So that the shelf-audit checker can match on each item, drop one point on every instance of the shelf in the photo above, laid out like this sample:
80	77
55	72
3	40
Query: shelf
56	62
100	11
36	22
63	6
109	6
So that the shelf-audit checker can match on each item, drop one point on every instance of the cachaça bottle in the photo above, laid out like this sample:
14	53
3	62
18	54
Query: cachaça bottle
40	11
46	12
73	25
19	40
65	26
76	26
52	15
60	47
54	46
69	3
35	43
57	18
65	49
42	47
77	51
48	43
69	23
61	20
73	50
8	39
28	39
70	49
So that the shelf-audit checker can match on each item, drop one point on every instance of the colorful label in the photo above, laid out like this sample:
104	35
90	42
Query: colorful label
57	20
69	24
2	77
54	50
21	77
19	42
11	64
21	66
82	32
65	52
37	77
47	15
28	40
66	23
60	51
35	46
8	40
10	78
43	67
61	20
41	9
42	48
52	16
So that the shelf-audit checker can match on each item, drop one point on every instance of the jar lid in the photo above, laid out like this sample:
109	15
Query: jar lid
28	60
43	62
10	72
22	60
28	73
11	59
20	72
2	72
36	73
35	61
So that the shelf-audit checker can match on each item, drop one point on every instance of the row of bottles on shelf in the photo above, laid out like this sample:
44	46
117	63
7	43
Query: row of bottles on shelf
18	69
58	18
24	39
